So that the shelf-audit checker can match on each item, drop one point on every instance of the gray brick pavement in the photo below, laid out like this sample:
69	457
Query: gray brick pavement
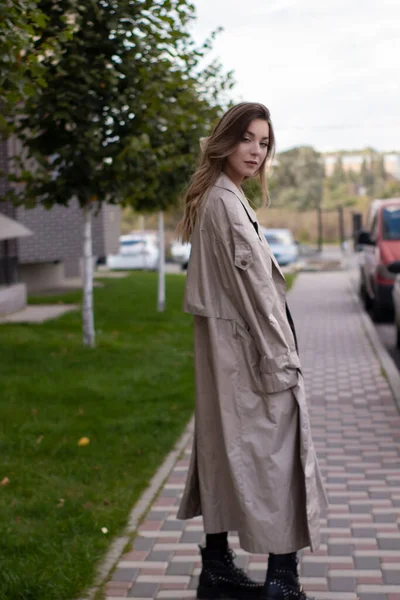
356	428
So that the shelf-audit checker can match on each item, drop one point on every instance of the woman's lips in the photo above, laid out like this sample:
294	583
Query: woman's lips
251	163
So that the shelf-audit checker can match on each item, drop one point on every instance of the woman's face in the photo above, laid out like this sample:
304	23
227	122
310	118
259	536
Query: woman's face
250	153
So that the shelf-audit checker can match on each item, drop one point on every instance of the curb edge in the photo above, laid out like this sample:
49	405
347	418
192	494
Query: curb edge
386	361
139	509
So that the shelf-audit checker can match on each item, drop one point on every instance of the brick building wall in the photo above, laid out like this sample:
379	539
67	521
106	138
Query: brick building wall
57	233
5	207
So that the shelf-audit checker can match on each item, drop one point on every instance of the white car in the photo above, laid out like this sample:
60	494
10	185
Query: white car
282	244
180	253
136	251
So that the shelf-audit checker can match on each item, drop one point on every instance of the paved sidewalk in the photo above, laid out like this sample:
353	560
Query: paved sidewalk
38	313
356	428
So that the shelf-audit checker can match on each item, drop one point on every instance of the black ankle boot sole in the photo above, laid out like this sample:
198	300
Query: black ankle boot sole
279	594
213	593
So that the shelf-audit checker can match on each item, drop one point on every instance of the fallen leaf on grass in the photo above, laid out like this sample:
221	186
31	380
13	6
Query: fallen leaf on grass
104	530
106	502
34	411
80	412
39	439
61	502
84	441
5	481
88	506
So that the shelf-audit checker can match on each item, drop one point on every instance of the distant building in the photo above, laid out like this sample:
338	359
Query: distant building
350	162
353	162
392	164
54	250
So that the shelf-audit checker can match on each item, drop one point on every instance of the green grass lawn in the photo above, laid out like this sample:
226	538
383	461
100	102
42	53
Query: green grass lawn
290	279
131	396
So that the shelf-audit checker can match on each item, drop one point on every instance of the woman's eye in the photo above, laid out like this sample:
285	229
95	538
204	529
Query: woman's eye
264	144
246	139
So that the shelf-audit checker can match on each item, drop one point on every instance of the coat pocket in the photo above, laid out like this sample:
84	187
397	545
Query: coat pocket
280	373
243	256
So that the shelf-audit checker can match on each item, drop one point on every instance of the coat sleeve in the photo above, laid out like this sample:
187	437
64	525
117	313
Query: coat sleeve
247	277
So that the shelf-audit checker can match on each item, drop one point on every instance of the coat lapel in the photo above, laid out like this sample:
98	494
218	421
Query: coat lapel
225	183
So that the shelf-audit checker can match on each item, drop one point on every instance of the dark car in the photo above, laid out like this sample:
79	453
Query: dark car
395	269
379	246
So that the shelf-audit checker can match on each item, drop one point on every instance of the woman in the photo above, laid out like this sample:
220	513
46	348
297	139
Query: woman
253	467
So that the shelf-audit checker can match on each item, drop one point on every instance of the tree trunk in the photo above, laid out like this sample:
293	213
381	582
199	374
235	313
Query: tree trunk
320	231
341	228
87	308
161	264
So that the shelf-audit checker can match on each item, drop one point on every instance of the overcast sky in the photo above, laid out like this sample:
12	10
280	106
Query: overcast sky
328	70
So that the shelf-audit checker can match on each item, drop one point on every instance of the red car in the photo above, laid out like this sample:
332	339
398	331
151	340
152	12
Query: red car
379	246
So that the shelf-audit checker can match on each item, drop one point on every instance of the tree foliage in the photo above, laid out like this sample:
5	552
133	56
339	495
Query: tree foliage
125	103
22	69
370	180
297	178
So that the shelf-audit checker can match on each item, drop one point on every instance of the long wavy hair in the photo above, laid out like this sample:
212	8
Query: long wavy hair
227	134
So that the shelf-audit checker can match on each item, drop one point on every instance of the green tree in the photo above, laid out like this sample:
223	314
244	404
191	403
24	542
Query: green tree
366	176
338	176
379	175
298	178
120	117
298	181
22	68
391	189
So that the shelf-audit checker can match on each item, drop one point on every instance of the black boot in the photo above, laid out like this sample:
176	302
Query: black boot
282	581
221	578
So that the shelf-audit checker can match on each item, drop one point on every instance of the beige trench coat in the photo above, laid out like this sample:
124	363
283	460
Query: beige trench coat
253	466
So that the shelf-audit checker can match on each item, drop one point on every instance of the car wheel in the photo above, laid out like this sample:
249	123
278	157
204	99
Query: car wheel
366	300
378	313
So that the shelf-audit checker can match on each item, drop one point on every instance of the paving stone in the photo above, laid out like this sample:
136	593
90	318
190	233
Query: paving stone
342	584
155	515
337	523
184	568
143	590
373	596
389	543
125	574
356	431
142	543
391	575
170	493
192	536
160	556
173	526
310	569
340	549
363	532
194	582
366	562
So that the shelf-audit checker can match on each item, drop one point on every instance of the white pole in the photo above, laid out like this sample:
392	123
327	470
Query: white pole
161	264
87	307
